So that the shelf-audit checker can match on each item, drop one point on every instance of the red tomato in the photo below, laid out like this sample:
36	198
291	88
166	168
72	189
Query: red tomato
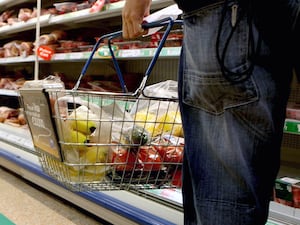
150	158
170	153
126	158
176	180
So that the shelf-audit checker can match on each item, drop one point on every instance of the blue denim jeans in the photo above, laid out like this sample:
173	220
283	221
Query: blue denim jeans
232	131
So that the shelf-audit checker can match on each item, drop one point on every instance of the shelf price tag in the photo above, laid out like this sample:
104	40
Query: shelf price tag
45	52
131	53
292	126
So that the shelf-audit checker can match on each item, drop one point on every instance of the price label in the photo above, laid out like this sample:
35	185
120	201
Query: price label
292	126
77	55
130	53
60	56
45	52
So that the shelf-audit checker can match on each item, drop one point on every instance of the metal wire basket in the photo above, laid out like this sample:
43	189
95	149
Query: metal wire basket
110	141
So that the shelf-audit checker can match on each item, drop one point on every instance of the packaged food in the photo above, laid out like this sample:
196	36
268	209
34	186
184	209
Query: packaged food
287	191
85	48
293	111
65	7
296	195
83	5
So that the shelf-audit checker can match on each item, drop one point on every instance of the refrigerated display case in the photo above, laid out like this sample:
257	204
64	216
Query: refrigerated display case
17	153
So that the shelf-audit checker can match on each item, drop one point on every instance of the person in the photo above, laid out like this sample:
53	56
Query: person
233	84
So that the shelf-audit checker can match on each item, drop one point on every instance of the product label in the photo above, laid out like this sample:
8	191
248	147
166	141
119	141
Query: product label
292	126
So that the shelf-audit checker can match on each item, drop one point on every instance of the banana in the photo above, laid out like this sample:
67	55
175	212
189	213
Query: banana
77	139
146	120
95	154
87	174
169	122
83	120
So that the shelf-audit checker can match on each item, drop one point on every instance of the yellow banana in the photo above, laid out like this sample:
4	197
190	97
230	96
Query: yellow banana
76	139
83	120
95	154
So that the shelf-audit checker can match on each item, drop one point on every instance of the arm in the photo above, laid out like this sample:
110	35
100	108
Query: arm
133	14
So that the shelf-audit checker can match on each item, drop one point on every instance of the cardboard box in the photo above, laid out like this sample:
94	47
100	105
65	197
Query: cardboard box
296	195
293	111
287	190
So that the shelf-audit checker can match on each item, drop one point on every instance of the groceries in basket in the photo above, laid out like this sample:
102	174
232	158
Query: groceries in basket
124	140
77	139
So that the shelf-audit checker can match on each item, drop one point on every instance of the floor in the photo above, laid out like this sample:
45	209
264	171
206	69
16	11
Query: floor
27	204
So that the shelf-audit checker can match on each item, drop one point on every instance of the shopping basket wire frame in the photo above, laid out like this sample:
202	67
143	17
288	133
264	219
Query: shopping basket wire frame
114	141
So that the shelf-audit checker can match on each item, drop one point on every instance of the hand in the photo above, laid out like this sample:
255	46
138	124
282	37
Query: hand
133	14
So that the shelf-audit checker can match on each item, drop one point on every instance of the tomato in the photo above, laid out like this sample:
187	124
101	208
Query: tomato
125	160
170	153
174	154
176	180
150	158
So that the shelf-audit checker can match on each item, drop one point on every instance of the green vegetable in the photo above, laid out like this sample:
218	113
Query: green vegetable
137	135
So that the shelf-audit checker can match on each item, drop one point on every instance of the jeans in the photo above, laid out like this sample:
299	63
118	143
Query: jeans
232	131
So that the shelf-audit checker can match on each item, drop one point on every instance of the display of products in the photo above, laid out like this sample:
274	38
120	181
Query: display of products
287	191
150	150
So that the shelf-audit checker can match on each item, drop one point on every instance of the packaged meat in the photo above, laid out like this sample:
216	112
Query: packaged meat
25	14
65	7
52	38
2	52
83	5
5	15
293	111
11	49
26	48
46	39
7	113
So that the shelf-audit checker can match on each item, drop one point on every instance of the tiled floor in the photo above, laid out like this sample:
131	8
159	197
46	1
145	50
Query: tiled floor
27	204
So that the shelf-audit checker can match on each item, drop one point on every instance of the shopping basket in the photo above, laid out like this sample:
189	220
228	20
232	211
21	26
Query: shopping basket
91	140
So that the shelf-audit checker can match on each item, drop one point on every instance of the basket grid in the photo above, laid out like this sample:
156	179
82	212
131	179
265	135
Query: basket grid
111	141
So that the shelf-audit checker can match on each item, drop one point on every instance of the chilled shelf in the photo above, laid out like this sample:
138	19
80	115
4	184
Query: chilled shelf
81	56
5	92
23	26
80	16
19	137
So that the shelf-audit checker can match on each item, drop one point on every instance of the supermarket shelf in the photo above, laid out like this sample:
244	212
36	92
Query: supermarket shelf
16	60
9	92
23	26
284	214
17	136
117	207
80	16
125	54
85	15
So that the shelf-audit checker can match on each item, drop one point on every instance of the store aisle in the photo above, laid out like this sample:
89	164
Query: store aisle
27	204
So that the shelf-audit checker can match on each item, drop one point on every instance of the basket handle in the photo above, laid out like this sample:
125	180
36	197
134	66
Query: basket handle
169	22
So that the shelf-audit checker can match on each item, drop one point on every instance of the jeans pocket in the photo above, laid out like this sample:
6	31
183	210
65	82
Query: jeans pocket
214	94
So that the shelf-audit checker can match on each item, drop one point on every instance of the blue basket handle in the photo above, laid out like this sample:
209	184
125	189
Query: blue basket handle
169	22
